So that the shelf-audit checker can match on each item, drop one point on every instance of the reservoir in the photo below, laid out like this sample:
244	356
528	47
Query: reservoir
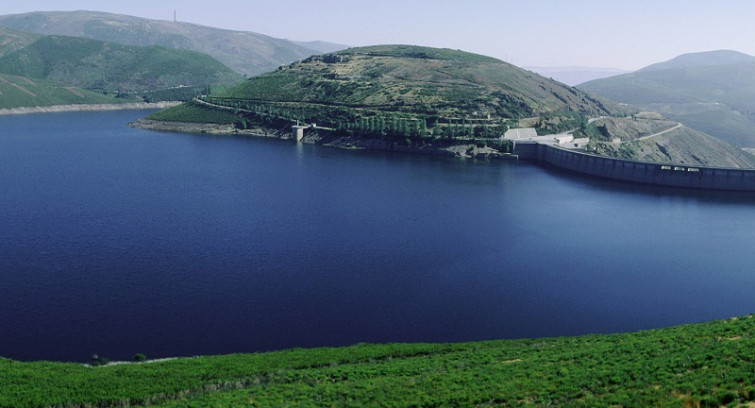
119	241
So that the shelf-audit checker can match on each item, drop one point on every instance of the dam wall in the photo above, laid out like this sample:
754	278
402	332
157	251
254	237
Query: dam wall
675	175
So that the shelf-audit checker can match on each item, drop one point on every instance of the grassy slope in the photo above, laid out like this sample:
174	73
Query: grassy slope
22	92
711	364
111	67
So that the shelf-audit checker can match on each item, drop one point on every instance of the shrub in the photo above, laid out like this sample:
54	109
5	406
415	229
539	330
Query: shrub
727	397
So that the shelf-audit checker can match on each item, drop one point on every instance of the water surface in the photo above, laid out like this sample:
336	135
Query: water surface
119	241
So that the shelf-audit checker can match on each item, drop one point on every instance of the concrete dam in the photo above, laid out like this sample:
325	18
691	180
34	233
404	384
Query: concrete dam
674	175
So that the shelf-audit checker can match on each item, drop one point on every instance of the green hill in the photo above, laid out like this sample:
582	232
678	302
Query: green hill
12	40
713	92
418	80
701	365
108	68
400	94
245	52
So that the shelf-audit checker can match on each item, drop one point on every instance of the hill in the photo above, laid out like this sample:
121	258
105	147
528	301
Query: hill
245	52
707	364
393	97
399	93
418	80
713	92
114	69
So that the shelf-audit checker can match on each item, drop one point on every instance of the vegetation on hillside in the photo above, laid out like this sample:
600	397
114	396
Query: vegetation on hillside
12	40
418	80
151	73
191	112
701	365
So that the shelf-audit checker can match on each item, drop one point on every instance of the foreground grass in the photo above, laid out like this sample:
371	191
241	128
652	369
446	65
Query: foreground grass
709	364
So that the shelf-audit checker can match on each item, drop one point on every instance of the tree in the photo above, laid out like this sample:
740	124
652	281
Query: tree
422	128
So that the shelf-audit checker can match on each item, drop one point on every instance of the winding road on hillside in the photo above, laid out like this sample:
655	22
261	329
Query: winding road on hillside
678	125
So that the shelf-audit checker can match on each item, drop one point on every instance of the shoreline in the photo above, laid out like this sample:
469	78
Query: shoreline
632	171
88	107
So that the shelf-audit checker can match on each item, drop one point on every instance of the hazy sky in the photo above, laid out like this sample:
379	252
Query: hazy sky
627	34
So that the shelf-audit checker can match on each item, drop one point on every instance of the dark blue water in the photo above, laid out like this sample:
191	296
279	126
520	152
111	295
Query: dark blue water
120	241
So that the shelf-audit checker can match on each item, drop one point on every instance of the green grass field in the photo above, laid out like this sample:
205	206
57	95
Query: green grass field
18	92
708	364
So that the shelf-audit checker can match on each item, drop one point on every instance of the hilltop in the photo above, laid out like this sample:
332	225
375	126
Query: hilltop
713	92
707	364
418	80
245	52
84	67
701	59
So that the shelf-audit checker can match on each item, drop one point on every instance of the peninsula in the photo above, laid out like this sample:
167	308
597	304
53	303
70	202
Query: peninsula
443	102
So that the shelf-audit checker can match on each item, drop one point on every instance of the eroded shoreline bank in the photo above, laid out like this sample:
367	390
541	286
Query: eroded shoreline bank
461	150
88	107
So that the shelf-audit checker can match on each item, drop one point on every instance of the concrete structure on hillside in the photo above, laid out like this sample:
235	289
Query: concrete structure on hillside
520	134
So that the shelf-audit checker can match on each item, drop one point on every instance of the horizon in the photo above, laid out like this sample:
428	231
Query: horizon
543	33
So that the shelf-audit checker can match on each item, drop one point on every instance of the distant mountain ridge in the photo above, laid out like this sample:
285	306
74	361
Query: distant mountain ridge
245	52
701	59
711	91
